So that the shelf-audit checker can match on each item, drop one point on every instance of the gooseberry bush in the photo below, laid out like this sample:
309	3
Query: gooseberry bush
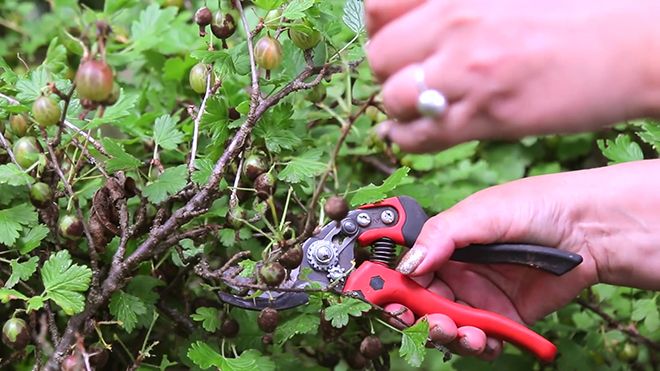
155	153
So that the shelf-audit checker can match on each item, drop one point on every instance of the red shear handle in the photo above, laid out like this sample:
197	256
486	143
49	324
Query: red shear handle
381	286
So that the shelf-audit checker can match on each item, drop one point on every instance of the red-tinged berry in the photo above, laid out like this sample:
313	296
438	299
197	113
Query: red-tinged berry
229	328
15	334
268	53
304	36
203	17
292	258
46	112
371	347
94	80
18	124
198	77
41	195
26	151
268	319
336	208
327	359
254	165
114	95
267	339
355	360
233	114
272	274
265	185
100	356
71	227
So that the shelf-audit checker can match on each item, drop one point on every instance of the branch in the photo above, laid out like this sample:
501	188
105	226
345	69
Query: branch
613	323
210	90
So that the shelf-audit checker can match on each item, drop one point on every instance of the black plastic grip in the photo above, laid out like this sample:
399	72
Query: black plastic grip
549	259
415	219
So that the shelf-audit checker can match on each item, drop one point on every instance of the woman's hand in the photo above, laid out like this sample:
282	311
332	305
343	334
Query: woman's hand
608	215
515	67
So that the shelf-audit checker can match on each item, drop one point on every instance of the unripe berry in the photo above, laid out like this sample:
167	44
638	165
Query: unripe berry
94	80
268	53
46	112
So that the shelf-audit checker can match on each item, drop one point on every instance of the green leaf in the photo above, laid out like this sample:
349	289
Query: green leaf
120	159
203	171
30	89
10	294
64	281
165	363
302	324
303	167
56	61
204	357
268	4
647	310
210	318
171	181
12	175
124	106
142	286
13	220
112	6
32	239
296	9
622	149
372	193
166	135
248	266
413	341
650	133
354	15
126	308
35	303
21	271
148	30
277	135
338	313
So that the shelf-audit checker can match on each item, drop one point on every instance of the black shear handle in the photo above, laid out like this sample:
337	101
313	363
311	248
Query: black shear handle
549	259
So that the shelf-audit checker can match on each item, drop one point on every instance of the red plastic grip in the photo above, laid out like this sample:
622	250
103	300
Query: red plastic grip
381	286
395	232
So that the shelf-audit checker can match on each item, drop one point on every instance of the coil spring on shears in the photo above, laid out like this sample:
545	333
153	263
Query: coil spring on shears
383	251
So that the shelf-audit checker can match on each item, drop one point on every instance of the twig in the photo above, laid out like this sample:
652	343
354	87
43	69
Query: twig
67	101
198	119
52	325
613	323
255	96
7	147
88	137
378	164
181	320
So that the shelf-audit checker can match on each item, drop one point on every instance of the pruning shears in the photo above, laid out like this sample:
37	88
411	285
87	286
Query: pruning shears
328	257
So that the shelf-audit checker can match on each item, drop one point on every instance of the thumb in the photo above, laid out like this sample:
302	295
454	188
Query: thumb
500	213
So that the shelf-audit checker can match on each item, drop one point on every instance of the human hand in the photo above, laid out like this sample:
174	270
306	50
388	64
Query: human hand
615	229
513	68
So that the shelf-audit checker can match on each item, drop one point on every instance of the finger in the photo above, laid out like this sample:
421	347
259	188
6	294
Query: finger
469	341
425	280
401	43
442	329
493	349
399	316
401	91
442	289
381	12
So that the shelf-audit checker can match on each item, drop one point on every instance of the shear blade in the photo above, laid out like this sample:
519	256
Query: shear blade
284	301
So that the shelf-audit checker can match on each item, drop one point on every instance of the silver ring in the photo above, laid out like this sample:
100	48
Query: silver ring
430	102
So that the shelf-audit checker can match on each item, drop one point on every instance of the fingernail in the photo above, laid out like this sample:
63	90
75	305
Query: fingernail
465	343
383	130
411	260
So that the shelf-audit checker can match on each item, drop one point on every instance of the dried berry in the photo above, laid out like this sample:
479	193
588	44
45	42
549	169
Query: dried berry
15	334
328	331
304	36
265	185
371	347
41	195
336	208
233	114
272	274
268	53
268	319
46	112
94	80
26	150
18	124
203	18
254	165
198	77
73	362
292	258
71	227
224	26
229	328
